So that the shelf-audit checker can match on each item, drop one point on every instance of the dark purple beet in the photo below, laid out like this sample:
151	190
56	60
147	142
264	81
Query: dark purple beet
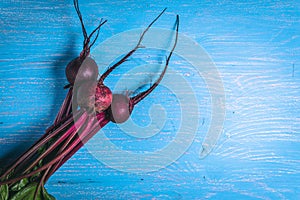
119	110
88	70
72	69
78	70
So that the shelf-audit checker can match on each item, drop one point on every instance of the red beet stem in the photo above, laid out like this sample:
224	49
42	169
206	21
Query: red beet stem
78	123
64	147
64	111
43	140
96	126
72	148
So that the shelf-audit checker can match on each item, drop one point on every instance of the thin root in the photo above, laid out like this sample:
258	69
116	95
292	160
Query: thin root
109	70
142	95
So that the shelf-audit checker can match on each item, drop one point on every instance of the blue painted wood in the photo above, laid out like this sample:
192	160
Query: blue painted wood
255	46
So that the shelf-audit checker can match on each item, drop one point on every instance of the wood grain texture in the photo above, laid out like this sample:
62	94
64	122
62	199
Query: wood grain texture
255	46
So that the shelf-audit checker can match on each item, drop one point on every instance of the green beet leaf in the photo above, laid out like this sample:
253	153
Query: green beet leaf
28	192
19	185
4	192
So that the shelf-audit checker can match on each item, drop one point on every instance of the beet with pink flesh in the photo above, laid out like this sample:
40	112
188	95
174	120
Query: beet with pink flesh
103	97
94	96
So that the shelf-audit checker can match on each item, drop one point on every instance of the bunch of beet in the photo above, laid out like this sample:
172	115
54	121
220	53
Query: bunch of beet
89	105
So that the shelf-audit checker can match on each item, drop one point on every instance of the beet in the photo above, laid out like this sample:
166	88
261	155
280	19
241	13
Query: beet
119	110
93	96
103	97
82	70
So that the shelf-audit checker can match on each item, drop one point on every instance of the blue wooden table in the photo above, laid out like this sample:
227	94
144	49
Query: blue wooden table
254	47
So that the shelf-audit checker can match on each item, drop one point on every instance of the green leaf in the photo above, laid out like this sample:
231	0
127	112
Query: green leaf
47	196
4	192
19	185
40	163
26	193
